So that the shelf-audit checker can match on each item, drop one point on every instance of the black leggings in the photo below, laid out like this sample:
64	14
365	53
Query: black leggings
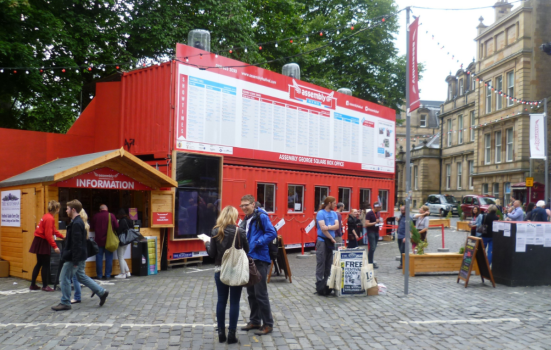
42	261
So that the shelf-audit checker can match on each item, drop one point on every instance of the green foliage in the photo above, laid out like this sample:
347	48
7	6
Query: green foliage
500	214
421	247
449	216
415	236
462	250
82	33
460	212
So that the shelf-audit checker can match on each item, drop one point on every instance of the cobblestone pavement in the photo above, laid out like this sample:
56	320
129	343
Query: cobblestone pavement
176	310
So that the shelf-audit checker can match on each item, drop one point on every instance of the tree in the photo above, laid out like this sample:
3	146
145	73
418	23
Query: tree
100	34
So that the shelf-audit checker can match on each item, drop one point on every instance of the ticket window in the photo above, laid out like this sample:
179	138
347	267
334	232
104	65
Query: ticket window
365	198
198	196
115	200
320	193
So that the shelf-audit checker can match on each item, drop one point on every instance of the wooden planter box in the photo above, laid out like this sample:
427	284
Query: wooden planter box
446	222
463	226
435	262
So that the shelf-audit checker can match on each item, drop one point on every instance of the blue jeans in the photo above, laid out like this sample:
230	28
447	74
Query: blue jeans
67	273
489	246
76	284
373	239
235	295
108	262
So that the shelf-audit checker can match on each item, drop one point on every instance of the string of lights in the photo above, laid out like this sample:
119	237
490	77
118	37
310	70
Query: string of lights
354	30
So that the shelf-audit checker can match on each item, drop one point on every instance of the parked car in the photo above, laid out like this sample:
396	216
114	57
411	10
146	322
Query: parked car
470	201
442	203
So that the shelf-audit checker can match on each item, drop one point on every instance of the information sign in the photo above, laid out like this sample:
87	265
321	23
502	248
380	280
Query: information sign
529	182
351	265
254	113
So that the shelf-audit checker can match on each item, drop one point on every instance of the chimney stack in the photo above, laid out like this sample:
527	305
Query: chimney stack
502	9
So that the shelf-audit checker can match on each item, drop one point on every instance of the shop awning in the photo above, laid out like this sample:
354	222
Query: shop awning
522	185
118	160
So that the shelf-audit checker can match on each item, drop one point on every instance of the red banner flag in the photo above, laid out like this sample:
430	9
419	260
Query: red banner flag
413	78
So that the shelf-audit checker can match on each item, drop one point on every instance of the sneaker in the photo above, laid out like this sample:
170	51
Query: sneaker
61	307
400	267
128	274
47	289
34	287
122	275
74	301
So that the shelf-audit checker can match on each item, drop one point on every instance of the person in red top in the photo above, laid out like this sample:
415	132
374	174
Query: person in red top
99	225
43	240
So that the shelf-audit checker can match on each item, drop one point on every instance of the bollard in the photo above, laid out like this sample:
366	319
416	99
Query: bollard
302	234
443	249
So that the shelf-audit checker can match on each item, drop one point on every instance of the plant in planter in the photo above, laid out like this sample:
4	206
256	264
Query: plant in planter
449	216
500	214
462	250
460	213
421	247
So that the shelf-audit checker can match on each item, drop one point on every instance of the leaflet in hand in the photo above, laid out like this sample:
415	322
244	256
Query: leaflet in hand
204	237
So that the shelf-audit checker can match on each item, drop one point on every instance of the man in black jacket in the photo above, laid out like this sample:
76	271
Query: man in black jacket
74	256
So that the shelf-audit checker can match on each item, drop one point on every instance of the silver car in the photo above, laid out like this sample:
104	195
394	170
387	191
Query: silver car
441	204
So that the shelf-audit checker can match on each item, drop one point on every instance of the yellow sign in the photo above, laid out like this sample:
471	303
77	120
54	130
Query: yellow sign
529	182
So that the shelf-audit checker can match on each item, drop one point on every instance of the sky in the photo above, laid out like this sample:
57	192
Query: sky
455	30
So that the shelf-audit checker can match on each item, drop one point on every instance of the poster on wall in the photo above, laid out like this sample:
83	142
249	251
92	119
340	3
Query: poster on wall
254	113
11	208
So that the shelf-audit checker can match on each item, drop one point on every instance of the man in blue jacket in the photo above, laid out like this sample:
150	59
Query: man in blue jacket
260	232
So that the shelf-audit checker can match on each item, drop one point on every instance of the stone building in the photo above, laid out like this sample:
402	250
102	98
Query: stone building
509	61
484	136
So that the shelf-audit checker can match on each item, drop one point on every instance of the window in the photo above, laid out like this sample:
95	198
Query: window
460	129
320	193
459	173
416	177
471	172
489	97
499	98
423	121
449	132
365	198
496	190
344	197
265	194
468	200
507	192
383	197
509	145
498	146
295	198
473	82
450	92
485	189
448	175
487	149
472	126
460	87
510	87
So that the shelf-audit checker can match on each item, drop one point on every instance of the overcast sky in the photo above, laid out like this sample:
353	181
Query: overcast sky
455	30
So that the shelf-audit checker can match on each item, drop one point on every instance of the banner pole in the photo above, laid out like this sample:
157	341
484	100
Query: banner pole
408	160
546	198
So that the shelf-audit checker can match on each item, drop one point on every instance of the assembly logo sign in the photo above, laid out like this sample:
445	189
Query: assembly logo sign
11	208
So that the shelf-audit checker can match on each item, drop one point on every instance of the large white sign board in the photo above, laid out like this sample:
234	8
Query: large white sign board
11	208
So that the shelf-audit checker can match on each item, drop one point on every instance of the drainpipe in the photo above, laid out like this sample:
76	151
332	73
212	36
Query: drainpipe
441	145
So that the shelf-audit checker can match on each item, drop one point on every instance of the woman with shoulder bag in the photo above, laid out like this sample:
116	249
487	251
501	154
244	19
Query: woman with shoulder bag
475	221
43	240
487	237
125	224
223	235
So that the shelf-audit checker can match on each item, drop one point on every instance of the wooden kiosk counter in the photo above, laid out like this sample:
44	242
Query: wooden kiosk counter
115	178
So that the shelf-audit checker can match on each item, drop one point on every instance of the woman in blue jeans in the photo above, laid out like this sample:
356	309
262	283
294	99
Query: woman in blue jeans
222	239
487	238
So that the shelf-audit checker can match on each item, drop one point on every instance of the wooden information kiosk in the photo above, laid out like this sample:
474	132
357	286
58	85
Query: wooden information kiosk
115	178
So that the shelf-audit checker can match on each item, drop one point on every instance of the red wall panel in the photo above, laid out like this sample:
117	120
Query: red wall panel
146	111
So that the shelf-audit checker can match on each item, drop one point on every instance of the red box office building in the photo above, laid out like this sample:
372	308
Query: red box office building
223	129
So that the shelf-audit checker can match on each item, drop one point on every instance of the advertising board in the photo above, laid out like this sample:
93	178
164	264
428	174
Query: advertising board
230	108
